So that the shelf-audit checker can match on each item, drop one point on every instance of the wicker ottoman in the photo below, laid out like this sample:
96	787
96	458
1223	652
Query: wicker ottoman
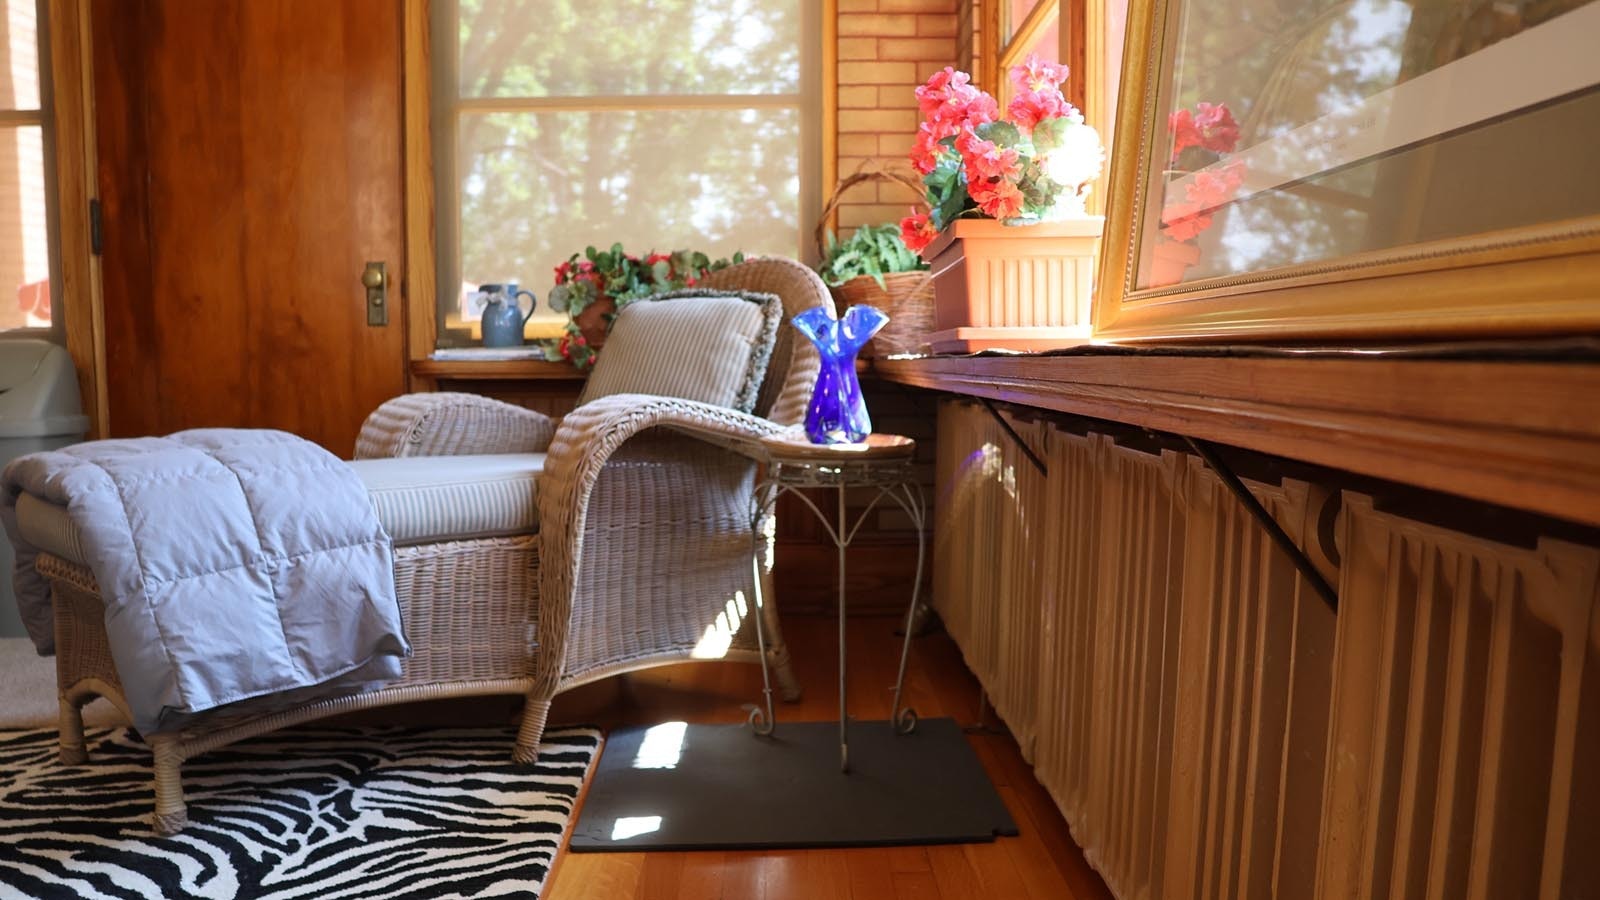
466	572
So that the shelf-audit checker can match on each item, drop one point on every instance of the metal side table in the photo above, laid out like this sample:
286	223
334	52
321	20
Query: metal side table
883	462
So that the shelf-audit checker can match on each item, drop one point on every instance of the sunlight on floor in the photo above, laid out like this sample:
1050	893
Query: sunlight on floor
718	637
662	746
633	826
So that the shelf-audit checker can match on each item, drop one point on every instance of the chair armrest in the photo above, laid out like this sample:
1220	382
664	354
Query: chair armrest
586	440
451	424
594	431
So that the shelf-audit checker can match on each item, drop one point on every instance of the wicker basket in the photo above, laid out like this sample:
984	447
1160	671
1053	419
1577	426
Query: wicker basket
906	296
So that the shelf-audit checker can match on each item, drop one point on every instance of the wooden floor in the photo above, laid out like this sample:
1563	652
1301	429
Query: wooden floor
1041	864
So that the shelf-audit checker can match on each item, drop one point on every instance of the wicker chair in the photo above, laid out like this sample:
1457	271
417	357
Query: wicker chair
657	491
644	510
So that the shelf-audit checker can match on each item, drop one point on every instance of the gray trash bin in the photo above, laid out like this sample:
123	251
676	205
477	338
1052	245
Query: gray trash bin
39	410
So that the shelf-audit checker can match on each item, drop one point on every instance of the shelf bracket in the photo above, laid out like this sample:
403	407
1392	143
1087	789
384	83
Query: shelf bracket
1275	531
1012	432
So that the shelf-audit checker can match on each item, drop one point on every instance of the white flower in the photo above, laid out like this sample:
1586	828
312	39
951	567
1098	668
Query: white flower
1079	158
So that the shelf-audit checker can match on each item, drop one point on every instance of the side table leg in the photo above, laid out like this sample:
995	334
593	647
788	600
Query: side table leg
842	542
910	498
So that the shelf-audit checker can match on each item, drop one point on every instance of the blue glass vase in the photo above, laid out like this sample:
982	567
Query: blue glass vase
838	414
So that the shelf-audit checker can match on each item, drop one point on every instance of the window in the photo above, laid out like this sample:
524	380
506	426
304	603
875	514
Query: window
25	238
1029	27
1086	35
657	124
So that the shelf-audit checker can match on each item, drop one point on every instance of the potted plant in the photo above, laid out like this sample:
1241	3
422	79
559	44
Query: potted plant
1011	246
874	267
593	288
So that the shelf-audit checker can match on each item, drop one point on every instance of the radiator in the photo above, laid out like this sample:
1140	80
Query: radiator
1255	648
1210	729
1465	723
990	578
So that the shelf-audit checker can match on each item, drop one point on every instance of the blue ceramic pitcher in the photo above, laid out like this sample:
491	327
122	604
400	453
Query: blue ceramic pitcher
503	317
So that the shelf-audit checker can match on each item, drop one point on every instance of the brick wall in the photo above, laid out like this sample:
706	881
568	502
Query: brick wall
886	48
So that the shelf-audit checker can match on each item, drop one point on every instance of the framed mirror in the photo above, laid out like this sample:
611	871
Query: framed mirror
1308	169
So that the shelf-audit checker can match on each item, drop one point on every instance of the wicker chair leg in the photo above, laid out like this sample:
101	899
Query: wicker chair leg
171	814
778	655
788	684
74	752
531	732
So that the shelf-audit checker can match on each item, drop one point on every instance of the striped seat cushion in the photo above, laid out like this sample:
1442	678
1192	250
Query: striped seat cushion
426	499
419	500
697	344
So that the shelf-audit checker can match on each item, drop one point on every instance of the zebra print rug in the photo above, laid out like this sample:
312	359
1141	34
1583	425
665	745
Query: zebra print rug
326	813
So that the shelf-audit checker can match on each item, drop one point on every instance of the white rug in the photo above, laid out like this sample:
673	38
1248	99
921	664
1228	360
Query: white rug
326	813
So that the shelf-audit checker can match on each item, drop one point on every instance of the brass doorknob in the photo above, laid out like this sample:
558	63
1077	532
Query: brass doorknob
375	279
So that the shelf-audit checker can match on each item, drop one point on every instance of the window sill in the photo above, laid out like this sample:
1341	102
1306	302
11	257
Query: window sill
495	370
1521	434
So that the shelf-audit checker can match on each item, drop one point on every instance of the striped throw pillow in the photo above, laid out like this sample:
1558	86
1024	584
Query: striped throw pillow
696	344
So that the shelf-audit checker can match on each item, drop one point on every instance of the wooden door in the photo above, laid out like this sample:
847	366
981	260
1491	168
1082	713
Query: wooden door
249	165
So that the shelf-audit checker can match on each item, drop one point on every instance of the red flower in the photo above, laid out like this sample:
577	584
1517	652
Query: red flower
565	347
949	99
1218	132
1038	76
1212	188
925	149
654	258
1210	126
1000	200
1207	192
1184	132
986	160
917	231
1032	107
1183	221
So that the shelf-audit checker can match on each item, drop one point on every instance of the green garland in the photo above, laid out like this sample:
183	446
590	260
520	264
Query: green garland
584	280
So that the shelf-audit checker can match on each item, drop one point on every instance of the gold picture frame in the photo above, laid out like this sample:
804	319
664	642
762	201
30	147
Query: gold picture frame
1532	277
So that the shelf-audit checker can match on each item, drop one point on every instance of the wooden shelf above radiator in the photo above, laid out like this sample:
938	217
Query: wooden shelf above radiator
1516	433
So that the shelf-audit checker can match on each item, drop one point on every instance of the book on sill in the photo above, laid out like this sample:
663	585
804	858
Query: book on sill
487	354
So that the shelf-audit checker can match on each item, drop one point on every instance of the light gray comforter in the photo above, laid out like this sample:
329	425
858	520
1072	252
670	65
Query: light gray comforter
232	563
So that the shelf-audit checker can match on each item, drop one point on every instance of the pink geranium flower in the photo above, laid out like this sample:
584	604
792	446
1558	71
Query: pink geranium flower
986	160
925	149
1184	132
1030	108
1001	199
1036	76
948	98
994	169
1181	221
1218	132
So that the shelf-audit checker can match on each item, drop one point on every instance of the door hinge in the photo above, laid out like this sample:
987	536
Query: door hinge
94	227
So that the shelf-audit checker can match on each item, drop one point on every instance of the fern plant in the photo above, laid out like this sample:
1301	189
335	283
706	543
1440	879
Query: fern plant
874	250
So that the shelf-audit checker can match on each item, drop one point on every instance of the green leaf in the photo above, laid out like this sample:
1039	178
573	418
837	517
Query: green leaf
559	296
873	250
1001	132
1047	135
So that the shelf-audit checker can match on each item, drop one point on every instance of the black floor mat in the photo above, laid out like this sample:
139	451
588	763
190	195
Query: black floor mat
702	787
